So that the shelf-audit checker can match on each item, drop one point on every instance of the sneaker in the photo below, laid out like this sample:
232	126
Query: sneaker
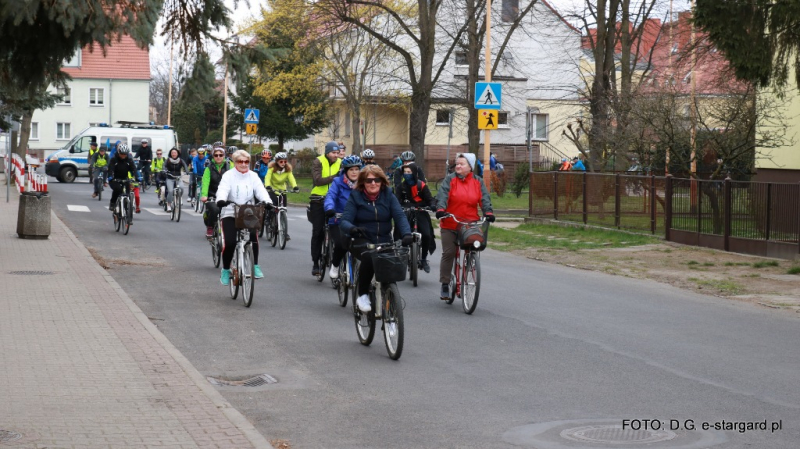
94	195
209	231
288	238
445	291
425	266
225	277
333	272
160	203
111	208
363	304
138	211
258	273
315	271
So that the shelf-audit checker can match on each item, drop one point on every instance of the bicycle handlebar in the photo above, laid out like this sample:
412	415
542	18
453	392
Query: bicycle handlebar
462	222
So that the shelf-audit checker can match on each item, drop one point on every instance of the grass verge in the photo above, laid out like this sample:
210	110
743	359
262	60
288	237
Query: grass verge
534	235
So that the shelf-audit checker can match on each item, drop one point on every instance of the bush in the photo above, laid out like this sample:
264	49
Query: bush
521	180
302	161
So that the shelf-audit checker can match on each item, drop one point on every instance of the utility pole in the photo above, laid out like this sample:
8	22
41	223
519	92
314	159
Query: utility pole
693	117
169	95
225	111
486	132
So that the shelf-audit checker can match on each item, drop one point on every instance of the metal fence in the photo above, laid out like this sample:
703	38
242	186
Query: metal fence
747	217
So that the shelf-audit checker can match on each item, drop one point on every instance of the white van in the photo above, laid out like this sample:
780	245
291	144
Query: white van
72	160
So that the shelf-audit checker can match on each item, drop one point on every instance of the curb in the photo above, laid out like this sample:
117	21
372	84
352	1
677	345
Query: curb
234	416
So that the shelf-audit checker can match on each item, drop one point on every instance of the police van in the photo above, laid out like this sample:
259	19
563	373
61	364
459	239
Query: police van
72	161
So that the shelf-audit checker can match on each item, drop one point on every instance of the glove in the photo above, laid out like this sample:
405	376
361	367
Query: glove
269	206
330	213
432	208
356	232
110	179
440	214
408	239
296	189
222	203
139	180
489	218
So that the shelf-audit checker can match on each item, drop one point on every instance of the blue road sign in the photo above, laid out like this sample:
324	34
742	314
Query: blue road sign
488	96
251	115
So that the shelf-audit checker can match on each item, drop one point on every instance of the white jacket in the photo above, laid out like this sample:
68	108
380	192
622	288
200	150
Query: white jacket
241	188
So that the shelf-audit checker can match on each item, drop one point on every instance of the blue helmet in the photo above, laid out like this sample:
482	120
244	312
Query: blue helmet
351	161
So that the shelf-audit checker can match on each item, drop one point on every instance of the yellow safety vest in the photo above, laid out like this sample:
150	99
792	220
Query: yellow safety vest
327	170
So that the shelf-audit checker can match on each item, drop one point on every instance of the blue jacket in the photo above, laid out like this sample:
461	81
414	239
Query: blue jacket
261	168
199	165
375	218
337	197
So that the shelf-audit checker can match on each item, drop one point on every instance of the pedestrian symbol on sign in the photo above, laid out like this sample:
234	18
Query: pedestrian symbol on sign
251	117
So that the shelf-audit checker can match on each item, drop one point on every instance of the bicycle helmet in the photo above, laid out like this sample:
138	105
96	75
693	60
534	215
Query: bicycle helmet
123	148
408	156
201	150
231	149
281	156
351	161
266	153
219	144
367	154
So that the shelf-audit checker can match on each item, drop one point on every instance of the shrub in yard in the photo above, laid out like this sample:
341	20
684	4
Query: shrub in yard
521	179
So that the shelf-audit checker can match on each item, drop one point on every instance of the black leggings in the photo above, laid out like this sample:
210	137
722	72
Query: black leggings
229	233
338	245
365	273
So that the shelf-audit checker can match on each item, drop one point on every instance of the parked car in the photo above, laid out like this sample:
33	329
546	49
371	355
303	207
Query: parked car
72	161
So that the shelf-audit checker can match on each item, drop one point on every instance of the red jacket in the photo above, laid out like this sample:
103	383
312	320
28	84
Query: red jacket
462	198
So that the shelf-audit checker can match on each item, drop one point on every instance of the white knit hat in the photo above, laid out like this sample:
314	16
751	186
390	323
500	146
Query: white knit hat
470	159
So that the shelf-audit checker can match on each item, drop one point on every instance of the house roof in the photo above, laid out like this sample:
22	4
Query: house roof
123	60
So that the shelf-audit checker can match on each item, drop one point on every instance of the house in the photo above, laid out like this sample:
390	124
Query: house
104	89
782	163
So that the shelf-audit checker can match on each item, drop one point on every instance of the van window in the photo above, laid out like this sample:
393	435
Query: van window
82	144
136	143
112	140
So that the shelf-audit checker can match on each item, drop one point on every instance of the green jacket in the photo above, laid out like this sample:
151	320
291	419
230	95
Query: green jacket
157	165
278	180
216	171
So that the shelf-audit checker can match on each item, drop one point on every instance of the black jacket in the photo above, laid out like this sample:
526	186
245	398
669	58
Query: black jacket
120	168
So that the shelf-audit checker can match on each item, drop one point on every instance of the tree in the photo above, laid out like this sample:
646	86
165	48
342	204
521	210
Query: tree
760	38
199	107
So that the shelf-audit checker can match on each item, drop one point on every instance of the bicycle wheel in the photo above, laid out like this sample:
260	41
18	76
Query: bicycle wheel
131	203
100	194
116	215
178	206
163	197
413	263
471	282
334	282
365	324
233	286
247	276
342	288
393	321
284	229
216	248
453	283
273	229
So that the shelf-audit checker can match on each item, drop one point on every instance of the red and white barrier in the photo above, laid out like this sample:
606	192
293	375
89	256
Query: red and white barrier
26	180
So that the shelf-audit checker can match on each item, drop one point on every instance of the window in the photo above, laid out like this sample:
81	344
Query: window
510	10
66	95
502	120
82	144
539	126
75	61
461	58
348	125
34	131
442	117
63	131
112	140
96	95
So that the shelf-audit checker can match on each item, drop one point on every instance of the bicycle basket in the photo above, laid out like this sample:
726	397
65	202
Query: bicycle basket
473	235
390	265
249	217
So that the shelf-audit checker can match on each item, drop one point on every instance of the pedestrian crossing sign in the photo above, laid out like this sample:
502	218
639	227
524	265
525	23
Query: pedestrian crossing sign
488	96
251	128
251	115
487	119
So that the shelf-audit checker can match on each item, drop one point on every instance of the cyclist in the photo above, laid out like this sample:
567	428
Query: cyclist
99	164
156	167
211	178
324	170
228	151
407	157
120	167
145	159
415	193
262	166
173	166
368	217
368	156
92	152
335	201
198	168
461	194
396	163
240	186
280	172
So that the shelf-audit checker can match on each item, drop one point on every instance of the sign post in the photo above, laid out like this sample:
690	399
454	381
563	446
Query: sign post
251	118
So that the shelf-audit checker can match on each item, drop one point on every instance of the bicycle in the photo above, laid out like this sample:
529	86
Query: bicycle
346	285
415	253
465	277
123	208
216	238
384	297
99	181
177	193
276	227
326	254
243	264
145	168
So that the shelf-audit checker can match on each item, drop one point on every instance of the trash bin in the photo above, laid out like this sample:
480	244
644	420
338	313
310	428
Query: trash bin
33	216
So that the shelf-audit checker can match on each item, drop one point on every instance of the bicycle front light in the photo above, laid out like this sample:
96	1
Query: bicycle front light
476	244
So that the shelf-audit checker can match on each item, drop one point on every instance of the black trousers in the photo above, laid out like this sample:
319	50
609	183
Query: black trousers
116	189
424	227
229	233
212	212
338	245
365	270
317	229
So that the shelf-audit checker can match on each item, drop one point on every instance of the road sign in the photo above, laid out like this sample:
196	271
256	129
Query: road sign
251	115
487	119
251	128
488	96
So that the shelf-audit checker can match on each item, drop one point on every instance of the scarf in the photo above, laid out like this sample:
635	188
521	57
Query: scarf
349	183
174	161
371	198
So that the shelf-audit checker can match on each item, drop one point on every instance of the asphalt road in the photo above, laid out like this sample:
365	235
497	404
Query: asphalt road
553	357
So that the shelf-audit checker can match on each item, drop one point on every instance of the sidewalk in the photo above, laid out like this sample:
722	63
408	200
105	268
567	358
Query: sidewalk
82	367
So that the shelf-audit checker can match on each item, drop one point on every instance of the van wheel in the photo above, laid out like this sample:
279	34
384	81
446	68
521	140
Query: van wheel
67	174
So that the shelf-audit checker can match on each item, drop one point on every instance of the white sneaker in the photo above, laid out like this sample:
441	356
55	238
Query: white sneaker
334	272
363	303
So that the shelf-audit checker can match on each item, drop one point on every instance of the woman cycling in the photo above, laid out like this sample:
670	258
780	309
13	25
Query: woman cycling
262	166
239	186
335	200
367	157
414	192
172	166
460	195
211	178
278	175
368	216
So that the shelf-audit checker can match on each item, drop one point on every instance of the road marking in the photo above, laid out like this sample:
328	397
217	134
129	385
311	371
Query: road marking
157	211
76	208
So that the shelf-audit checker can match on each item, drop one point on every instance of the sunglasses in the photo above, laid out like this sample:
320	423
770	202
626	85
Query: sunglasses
372	181
219	155
243	162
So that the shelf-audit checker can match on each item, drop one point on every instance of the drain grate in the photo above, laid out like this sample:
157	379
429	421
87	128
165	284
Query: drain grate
248	381
7	436
31	273
615	434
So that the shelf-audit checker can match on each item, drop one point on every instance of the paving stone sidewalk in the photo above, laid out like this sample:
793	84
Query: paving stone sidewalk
82	367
